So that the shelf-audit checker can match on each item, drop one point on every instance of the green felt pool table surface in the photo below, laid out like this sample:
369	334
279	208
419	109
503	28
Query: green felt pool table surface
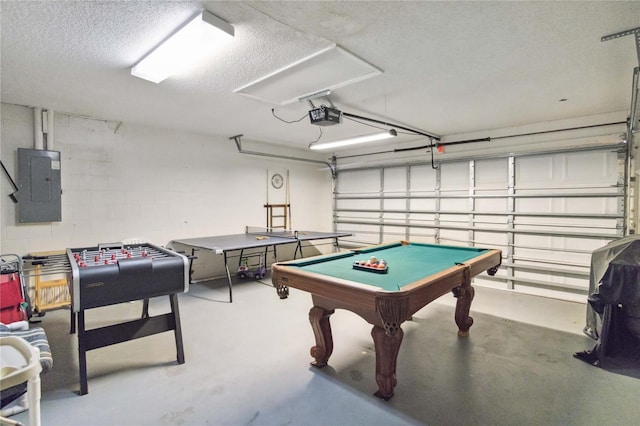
406	263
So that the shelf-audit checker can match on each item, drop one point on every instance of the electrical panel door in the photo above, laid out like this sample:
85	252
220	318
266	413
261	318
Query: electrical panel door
39	187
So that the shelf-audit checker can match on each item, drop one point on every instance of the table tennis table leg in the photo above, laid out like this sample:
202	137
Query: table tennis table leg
298	249
73	322
145	308
226	266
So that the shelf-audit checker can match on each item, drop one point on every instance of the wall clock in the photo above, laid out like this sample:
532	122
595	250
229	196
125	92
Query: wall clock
277	181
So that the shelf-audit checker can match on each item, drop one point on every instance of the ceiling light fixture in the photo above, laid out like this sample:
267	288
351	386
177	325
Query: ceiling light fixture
182	48
353	141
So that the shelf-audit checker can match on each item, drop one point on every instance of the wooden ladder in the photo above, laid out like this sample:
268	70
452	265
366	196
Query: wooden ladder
274	215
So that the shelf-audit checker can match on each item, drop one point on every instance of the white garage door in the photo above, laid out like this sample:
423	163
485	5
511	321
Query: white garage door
547	212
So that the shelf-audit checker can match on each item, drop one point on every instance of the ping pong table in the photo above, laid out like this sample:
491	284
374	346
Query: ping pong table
255	238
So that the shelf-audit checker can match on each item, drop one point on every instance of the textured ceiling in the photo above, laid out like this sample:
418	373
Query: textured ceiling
448	67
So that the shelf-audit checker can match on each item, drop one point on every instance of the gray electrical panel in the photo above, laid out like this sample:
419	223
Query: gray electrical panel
39	187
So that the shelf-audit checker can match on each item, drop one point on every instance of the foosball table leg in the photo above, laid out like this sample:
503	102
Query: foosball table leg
173	300
82	354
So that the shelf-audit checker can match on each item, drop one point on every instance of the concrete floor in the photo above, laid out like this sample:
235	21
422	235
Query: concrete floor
247	363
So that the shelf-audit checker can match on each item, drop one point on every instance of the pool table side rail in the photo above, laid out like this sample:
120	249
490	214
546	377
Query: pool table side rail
479	264
322	285
334	293
434	286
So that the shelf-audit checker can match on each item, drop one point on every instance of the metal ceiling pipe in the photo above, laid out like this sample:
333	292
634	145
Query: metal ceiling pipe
238	141
634	116
38	139
50	130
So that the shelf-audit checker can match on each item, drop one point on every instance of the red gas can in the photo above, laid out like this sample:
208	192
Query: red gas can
12	301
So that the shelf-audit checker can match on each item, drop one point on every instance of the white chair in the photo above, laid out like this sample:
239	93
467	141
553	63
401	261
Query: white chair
20	363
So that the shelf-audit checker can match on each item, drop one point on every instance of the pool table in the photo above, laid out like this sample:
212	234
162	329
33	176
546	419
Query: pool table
416	275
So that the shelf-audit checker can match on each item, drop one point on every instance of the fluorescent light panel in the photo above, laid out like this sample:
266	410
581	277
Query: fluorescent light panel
354	141
180	50
327	69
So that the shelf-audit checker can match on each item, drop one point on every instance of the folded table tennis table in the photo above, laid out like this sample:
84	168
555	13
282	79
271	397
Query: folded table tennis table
256	238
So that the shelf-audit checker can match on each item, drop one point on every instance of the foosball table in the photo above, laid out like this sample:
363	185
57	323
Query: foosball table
114	273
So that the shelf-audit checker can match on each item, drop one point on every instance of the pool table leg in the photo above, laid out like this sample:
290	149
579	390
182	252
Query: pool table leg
319	318
387	348
464	294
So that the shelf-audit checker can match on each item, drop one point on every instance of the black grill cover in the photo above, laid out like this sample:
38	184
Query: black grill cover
614	303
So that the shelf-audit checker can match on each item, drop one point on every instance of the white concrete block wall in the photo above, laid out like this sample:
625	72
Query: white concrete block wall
122	180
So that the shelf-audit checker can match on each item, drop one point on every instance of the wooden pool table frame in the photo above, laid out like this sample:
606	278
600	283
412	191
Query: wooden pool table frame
385	310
